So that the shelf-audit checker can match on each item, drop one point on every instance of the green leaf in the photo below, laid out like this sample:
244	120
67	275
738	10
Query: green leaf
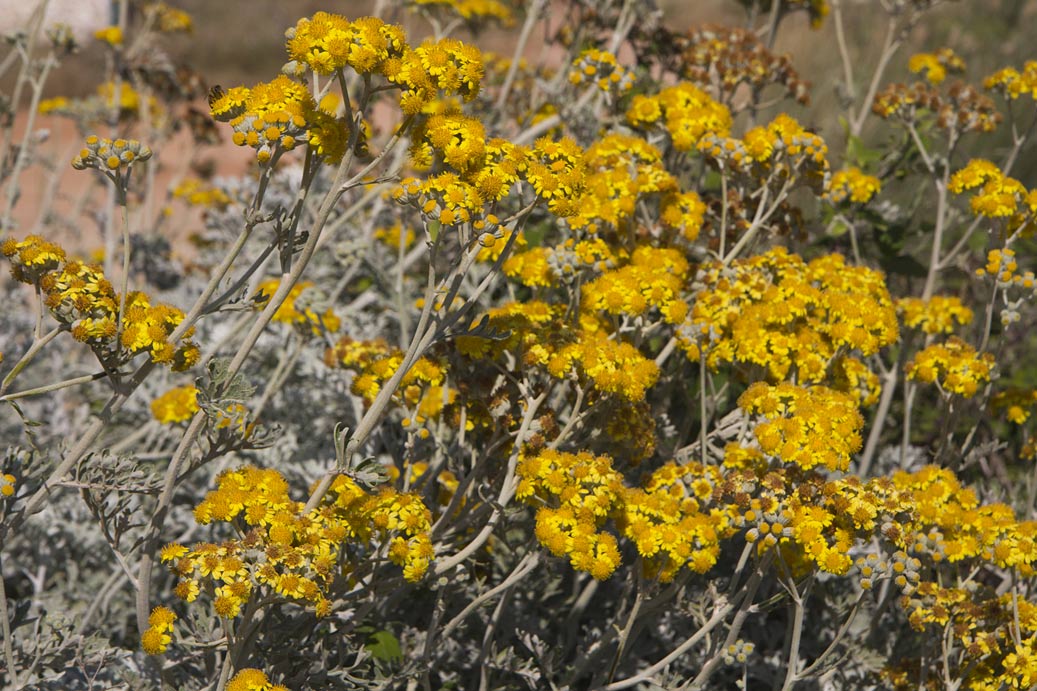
370	473
223	386
860	155
384	646
838	228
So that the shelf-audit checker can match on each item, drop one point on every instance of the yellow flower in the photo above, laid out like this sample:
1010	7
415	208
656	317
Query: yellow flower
937	316
157	637
853	185
169	19
249	679
686	112
32	257
176	405
287	313
652	280
473	9
600	68
112	35
954	365
805	426
110	156
197	193
786	315
1013	83
936	65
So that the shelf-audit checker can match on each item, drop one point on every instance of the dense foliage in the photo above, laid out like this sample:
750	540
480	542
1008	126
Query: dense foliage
602	371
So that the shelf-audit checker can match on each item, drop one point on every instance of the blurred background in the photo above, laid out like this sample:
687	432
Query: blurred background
234	41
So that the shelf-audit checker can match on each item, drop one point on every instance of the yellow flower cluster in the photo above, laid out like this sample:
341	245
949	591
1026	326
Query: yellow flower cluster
538	337
176	405
998	195
523	325
686	112
293	555
805	426
531	268
197	193
157	637
576	494
852	185
652	280
276	116
461	140
473	9
98	108
557	173
612	366
396	236
445	67
181	403
935	66
674	520
146	329
800	520
446	481
683	511
326	43
58	104
1017	403
1020	665
169	19
80	297
954	366
936	315
112	35
375	362
683	212
782	147
947	523
443	198
287	313
402	521
1001	264
114	157
788	316
599	67
32	258
7	482
485	171
622	171
996	635
129	99
1013	83
251	679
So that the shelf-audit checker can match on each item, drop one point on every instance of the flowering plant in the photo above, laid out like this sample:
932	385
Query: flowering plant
605	371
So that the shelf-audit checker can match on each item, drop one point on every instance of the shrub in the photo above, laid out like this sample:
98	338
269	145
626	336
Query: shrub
600	372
